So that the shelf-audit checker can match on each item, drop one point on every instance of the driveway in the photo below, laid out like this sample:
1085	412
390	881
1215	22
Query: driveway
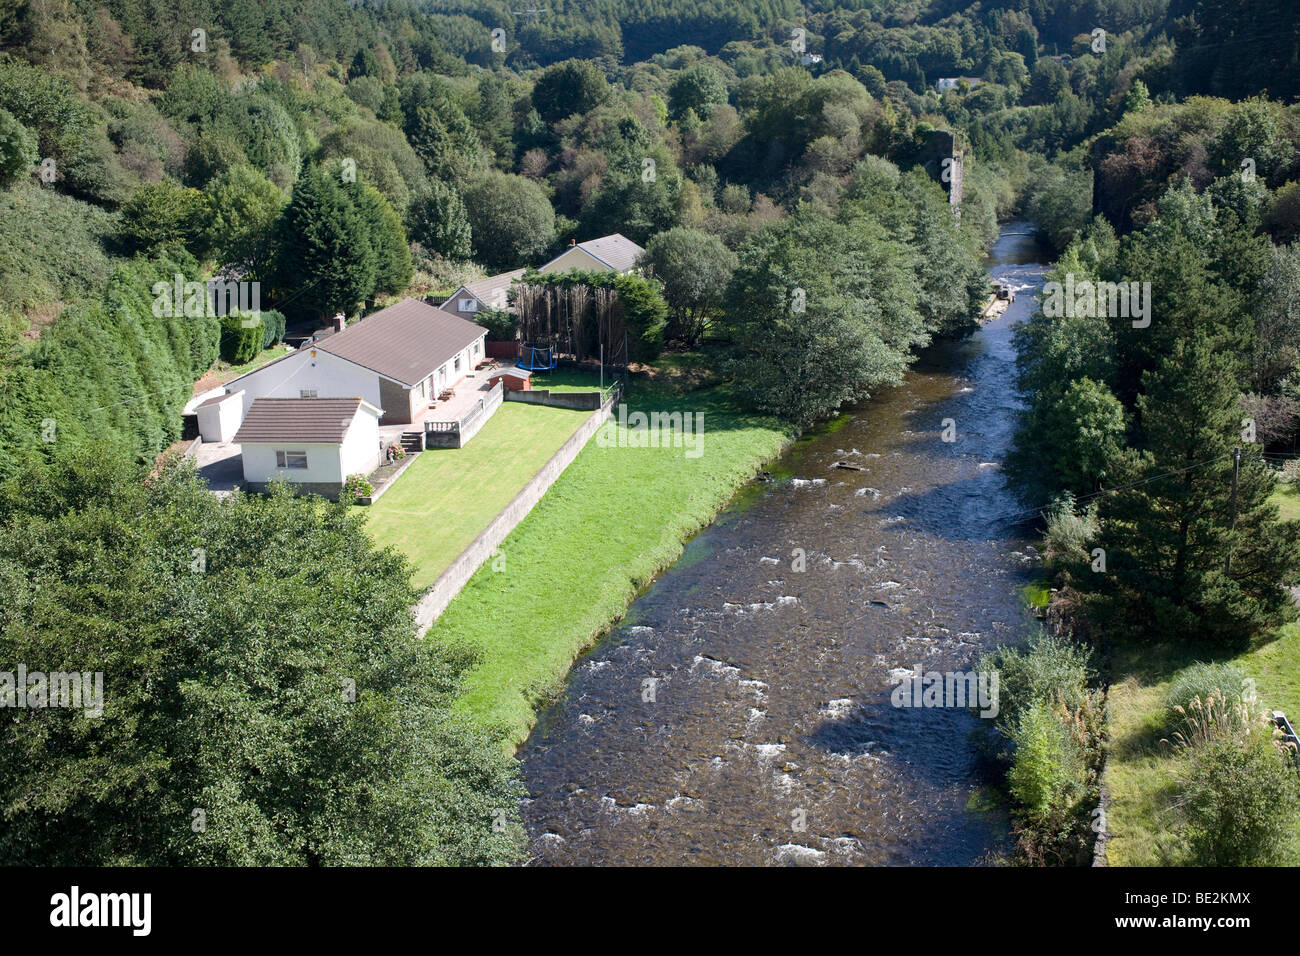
221	465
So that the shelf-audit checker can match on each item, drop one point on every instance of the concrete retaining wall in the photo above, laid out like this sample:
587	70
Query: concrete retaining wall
435	600
542	396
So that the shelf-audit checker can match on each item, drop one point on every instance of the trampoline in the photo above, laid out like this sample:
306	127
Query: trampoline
536	358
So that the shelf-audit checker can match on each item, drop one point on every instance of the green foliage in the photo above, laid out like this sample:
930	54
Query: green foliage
439	222
109	372
1048	764
819	314
241	338
325	262
53	248
273	324
644	315
694	268
511	220
699	87
1172	528
243	207
277	684
1239	803
164	214
17	148
574	86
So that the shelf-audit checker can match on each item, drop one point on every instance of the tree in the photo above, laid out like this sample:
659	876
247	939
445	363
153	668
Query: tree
1276	308
511	220
694	268
387	239
17	148
698	87
573	86
1082	434
440	223
260	675
325	262
243	207
1184	556
819	314
163	213
644	314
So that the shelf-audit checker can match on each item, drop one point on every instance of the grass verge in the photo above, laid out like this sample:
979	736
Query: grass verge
449	495
616	518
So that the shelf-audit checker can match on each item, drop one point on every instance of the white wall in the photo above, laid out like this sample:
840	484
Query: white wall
360	452
323	465
219	422
329	375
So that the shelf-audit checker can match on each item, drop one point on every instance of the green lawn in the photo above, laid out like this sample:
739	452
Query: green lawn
442	502
613	520
564	381
1287	498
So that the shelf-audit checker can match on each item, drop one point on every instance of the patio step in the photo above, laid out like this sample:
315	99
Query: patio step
412	442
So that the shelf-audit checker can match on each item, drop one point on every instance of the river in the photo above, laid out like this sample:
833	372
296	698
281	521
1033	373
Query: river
741	714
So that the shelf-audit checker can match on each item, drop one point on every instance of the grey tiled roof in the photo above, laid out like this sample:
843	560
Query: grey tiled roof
406	342
297	420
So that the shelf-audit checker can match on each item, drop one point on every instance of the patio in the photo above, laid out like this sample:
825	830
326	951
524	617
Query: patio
469	392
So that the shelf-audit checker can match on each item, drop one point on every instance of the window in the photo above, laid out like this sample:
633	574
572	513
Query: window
469	305
306	393
456	365
290	459
477	346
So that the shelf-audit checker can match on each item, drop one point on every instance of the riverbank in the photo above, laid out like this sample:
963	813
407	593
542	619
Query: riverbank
616	518
1142	772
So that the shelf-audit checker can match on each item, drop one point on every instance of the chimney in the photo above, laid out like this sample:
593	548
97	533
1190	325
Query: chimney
340	322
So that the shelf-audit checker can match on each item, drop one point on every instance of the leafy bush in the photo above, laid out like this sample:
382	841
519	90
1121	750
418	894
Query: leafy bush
17	148
1049	762
1069	532
1050	670
241	338
1239	802
357	486
272	327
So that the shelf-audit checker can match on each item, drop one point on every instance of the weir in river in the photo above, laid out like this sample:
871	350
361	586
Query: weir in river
741	713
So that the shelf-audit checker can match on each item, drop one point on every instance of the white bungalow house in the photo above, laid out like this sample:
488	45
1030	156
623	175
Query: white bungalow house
315	443
399	359
474	297
615	253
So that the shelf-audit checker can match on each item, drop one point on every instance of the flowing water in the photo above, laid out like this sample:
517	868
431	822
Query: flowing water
741	712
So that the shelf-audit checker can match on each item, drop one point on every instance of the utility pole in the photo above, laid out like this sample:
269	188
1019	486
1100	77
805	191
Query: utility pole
1232	506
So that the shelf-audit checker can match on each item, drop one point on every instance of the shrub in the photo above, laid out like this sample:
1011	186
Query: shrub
357	486
1049	762
241	338
1238	802
1203	681
272	327
1069	533
1050	670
